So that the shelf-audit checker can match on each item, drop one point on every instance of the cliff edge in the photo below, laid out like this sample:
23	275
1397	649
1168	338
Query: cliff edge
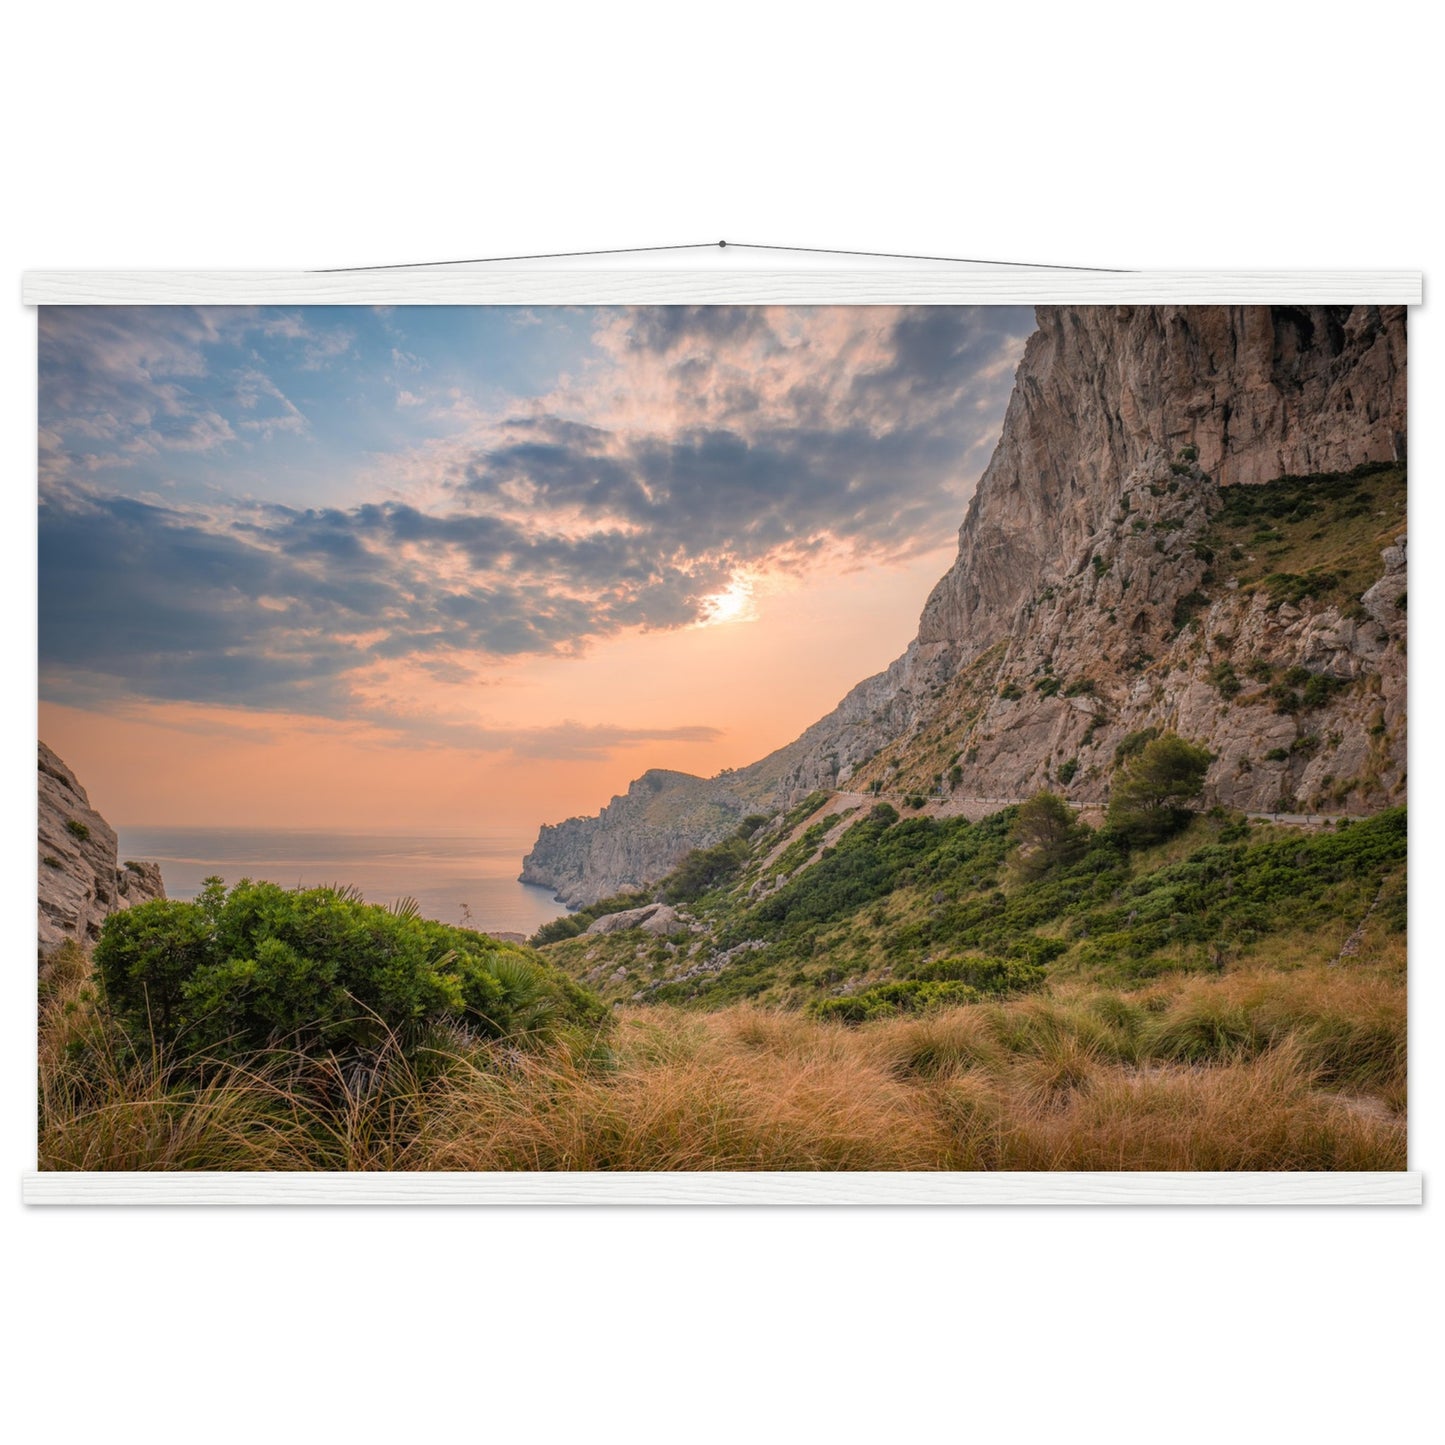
80	879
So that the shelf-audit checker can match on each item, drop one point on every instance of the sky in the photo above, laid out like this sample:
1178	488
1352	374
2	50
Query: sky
472	569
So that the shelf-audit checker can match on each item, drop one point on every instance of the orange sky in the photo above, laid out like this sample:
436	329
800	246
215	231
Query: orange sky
760	680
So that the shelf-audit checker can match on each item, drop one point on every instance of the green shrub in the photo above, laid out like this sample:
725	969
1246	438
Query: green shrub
704	869
571	924
319	971
1226	680
1011	692
1301	690
1294	587
1187	608
887	999
993	976
81	830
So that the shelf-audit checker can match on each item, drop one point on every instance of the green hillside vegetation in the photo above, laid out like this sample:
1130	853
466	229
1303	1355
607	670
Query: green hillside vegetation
1316	537
905	900
1022	992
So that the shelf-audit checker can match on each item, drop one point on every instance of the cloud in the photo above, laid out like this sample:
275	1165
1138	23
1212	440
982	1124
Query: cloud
118	384
570	741
691	446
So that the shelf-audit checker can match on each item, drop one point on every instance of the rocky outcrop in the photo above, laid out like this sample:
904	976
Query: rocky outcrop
1302	703
1256	392
1083	542
80	882
656	918
1086	497
637	837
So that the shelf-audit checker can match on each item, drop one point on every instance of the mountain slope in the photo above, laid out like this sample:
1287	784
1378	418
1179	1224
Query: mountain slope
1105	583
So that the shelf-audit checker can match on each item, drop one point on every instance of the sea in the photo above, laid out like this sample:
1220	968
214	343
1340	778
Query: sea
469	880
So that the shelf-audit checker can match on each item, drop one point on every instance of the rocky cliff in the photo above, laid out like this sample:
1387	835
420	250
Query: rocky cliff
638	836
1105	583
81	881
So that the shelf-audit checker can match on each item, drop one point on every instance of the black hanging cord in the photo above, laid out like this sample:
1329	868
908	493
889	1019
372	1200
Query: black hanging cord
709	246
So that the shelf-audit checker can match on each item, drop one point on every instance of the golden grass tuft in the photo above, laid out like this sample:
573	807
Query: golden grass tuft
1252	1070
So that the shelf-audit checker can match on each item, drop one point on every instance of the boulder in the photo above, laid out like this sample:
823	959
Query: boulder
656	918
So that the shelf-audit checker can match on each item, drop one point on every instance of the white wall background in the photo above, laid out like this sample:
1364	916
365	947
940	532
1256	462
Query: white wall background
286	134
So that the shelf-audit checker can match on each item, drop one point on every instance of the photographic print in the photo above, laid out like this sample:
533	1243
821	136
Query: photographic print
722	738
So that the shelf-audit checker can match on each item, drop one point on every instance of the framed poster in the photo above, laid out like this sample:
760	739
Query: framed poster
917	736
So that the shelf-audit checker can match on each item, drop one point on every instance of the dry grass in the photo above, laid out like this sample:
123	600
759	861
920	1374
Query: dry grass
1296	1070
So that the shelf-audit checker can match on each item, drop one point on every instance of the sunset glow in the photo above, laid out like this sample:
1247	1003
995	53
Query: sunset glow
474	567
733	604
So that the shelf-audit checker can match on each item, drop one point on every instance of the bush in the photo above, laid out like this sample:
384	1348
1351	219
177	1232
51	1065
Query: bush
704	869
887	999
319	971
1226	680
79	829
994	976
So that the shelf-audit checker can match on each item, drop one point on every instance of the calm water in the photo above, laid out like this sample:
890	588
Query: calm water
446	876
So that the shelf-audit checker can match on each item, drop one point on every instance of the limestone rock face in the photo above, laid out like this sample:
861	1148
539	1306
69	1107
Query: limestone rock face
1081	541
1259	392
80	882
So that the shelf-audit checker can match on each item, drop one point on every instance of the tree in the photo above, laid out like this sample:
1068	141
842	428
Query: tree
1046	835
1152	789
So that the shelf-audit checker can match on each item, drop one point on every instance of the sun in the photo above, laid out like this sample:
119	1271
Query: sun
733	604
